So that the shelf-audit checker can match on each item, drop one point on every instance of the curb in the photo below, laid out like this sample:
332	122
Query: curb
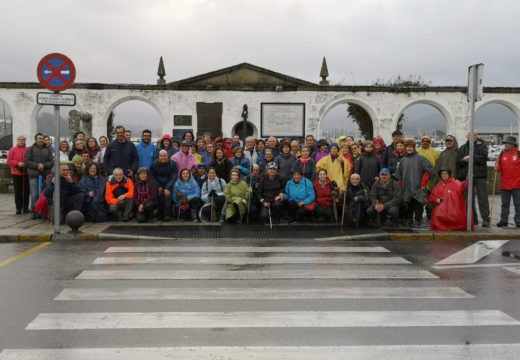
452	236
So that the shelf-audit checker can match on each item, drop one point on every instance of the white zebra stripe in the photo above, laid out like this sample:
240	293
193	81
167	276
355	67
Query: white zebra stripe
262	293
473	253
250	249
393	260
387	352
279	319
252	275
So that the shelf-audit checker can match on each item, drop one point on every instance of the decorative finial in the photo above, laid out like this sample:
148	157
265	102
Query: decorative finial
161	73
324	72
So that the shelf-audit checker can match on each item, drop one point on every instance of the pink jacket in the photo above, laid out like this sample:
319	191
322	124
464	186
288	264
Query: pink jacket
184	161
16	155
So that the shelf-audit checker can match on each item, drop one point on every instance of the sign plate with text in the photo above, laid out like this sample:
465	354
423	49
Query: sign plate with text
43	98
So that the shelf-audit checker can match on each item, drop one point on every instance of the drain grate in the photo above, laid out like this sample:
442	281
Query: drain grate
237	231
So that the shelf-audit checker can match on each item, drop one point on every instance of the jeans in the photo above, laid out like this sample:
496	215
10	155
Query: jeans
506	202
34	191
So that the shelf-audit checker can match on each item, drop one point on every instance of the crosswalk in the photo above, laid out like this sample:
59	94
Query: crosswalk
269	302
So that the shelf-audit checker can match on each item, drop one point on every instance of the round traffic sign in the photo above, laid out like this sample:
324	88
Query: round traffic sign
56	72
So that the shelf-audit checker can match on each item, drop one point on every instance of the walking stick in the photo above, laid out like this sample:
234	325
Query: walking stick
211	218
250	192
493	198
344	202
270	220
358	214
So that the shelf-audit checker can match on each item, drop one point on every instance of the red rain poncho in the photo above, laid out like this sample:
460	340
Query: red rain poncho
450	214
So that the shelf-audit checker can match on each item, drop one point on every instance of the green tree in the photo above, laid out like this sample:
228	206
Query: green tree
110	126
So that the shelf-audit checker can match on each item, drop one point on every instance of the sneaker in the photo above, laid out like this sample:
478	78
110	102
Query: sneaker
485	223
501	224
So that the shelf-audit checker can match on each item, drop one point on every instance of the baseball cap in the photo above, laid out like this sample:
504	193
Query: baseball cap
384	171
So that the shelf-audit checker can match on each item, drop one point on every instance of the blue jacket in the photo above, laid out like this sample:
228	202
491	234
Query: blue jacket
120	155
97	184
190	190
206	158
243	162
145	153
303	191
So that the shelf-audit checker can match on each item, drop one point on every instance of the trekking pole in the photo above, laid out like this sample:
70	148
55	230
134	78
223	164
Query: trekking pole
493	197
270	220
250	192
179	213
358	214
212	207
344	202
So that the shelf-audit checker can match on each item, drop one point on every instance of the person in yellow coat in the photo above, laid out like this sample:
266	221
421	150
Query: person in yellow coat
431	155
237	194
338	168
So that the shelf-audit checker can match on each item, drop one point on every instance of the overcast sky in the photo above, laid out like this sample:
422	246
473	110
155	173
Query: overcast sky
120	41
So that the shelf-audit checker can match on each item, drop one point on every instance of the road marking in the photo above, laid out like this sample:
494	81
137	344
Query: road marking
515	269
248	260
262	293
252	275
19	256
473	253
447	267
388	352
249	249
256	319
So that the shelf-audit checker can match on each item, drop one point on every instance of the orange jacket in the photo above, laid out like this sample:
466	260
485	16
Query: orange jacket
110	198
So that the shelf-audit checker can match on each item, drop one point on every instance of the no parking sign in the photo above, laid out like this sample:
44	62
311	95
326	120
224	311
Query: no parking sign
56	72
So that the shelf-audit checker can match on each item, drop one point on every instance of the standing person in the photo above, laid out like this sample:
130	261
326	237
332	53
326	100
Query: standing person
390	149
119	195
48	143
64	151
508	164
268	158
480	154
449	213
321	151
249	150
221	164
395	158
236	140
196	155
324	190
237	194
93	186
271	193
71	197
207	137
164	172
228	148
295	148
345	152
188	136
166	144
355	150
260	148
38	161
186	196
305	165
184	159
253	181
207	158
310	142
103	143
80	135
128	135
414	172
357	201
384	199
369	165
79	146
121	153
272	144
338	168
16	160
145	150
284	161
379	146
299	193
432	155
448	158
145	196
94	150
212	193
239	161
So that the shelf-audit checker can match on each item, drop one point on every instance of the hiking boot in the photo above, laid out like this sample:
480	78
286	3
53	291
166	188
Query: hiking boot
485	223
502	224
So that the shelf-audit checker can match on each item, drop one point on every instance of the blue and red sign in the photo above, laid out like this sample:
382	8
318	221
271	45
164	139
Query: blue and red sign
56	72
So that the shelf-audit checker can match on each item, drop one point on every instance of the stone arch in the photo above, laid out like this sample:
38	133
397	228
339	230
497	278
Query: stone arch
325	108
123	99
511	106
437	105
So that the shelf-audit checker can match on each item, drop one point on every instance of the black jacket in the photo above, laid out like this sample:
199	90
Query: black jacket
389	195
480	155
269	189
164	174
369	166
121	155
223	169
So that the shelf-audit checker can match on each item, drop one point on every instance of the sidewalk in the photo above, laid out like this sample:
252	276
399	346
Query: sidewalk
22	228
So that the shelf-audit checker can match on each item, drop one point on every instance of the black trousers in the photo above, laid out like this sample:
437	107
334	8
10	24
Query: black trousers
219	204
21	192
147	213
380	217
327	212
195	204
164	204
124	209
296	212
414	207
276	207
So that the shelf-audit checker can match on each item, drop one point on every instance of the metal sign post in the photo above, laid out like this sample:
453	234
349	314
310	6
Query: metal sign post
56	72
475	89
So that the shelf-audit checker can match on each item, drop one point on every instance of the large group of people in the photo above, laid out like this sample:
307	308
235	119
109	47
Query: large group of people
232	181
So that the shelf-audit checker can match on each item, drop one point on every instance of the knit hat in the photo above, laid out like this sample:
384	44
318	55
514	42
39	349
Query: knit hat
166	136
334	145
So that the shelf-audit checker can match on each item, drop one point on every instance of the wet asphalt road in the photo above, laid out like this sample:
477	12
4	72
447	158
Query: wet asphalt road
31	284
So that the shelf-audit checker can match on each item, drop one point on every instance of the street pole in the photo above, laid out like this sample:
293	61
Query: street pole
244	124
56	207
474	94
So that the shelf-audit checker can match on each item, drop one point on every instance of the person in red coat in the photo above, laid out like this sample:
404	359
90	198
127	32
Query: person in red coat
323	188
508	164
16	160
447	196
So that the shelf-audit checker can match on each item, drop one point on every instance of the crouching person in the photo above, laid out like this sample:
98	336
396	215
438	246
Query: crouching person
71	197
212	195
186	197
325	193
237	194
164	173
357	201
145	196
299	192
119	195
93	186
271	194
384	199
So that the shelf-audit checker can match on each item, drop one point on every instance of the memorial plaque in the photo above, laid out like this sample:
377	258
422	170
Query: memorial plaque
282	119
182	120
